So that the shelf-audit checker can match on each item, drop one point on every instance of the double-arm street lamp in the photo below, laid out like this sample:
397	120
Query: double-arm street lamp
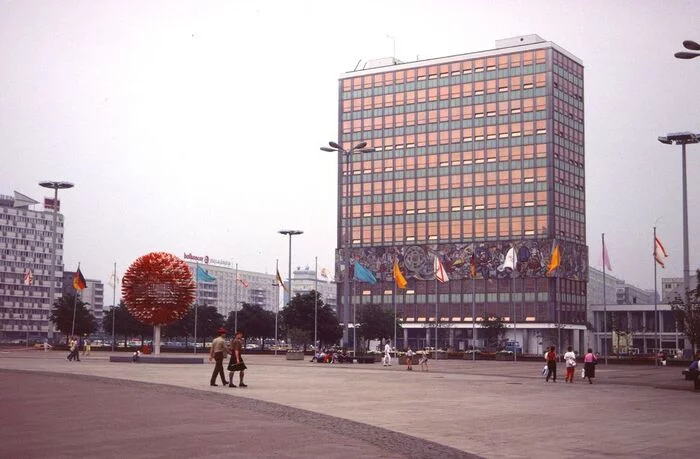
55	186
683	139
691	45
346	205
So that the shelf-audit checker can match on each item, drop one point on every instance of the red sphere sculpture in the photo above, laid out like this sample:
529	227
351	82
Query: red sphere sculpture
158	288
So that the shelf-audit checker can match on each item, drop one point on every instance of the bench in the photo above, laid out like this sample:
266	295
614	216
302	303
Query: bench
692	375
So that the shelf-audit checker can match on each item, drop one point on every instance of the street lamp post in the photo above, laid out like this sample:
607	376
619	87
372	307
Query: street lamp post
290	233
55	186
347	243
683	139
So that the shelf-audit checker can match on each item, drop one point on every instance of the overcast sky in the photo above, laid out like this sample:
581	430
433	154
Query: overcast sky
195	126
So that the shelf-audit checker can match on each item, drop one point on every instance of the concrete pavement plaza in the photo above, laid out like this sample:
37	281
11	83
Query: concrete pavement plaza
55	408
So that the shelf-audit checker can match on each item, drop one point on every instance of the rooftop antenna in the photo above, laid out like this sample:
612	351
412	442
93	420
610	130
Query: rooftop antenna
393	49
357	65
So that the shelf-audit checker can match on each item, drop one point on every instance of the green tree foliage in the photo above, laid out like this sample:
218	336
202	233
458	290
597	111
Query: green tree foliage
254	321
299	314
125	325
493	331
687	314
62	316
208	323
376	322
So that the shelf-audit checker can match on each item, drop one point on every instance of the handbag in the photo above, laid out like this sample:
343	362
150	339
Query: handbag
236	366
544	371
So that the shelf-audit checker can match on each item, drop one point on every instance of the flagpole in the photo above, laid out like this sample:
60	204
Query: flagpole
235	302
515	320
277	309
75	304
196	304
605	306
436	316
394	301
316	307
558	297
114	299
656	314
473	271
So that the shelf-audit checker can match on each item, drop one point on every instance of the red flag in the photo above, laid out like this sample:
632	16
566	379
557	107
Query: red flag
280	281
78	280
242	281
28	277
659	251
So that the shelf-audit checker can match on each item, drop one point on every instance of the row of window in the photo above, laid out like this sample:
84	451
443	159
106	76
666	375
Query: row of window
425	167
515	77
399	125
409	95
354	109
441	71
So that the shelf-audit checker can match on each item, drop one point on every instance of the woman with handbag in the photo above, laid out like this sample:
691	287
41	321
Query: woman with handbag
236	362
589	363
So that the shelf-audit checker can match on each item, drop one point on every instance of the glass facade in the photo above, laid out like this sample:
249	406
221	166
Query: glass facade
474	155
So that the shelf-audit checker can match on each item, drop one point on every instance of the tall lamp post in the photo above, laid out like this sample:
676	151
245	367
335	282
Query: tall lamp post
683	139
55	186
290	233
347	243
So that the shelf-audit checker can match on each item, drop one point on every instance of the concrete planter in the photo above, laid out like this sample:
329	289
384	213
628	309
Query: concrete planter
296	355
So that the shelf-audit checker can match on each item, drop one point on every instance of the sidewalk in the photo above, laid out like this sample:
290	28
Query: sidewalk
483	408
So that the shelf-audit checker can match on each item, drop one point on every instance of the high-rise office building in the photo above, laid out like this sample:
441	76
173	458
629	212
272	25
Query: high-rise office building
474	155
25	268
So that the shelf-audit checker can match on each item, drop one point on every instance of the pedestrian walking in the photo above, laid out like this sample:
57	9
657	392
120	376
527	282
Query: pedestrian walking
409	359
423	362
570	359
73	347
589	362
387	353
236	362
551	359
81	347
216	353
87	347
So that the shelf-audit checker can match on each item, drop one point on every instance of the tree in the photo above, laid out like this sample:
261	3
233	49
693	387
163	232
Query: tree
376	322
208	322
62	316
329	329
125	324
687	314
494	330
299	314
254	321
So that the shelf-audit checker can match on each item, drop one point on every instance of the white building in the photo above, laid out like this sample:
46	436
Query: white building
672	287
25	250
227	294
306	279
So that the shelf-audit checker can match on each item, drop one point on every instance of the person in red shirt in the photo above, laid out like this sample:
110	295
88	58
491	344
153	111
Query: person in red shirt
551	359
